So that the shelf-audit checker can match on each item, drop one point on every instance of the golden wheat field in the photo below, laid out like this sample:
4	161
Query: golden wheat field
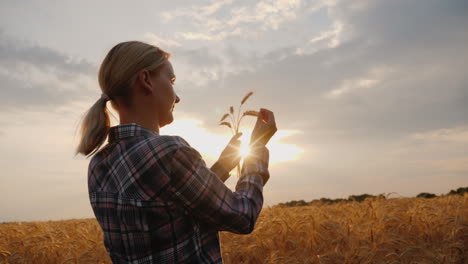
397	230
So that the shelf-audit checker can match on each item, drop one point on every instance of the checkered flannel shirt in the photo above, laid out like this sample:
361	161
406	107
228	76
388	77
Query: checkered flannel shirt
157	202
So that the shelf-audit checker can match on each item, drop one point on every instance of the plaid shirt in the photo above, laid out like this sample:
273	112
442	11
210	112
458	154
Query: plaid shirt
157	202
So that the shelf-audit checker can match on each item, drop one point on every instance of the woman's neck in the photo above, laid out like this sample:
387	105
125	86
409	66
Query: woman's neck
143	119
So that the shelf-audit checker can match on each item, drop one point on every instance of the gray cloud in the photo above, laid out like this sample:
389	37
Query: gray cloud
15	51
33	76
200	58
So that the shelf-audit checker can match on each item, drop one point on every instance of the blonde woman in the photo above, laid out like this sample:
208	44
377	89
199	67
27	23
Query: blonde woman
153	195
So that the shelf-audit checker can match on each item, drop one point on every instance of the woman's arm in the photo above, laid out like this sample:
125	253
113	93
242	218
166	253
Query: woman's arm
228	159
206	197
220	171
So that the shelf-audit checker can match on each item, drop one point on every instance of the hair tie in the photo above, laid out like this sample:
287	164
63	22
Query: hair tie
105	97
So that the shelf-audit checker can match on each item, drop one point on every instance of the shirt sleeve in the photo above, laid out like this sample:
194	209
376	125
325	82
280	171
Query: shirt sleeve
206	197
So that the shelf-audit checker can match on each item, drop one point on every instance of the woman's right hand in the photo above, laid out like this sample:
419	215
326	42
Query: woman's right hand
264	129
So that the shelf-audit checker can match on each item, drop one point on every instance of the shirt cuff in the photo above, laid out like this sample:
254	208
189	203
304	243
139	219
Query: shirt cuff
257	164
254	179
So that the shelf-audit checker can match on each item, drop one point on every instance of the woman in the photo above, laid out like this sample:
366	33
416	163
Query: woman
153	196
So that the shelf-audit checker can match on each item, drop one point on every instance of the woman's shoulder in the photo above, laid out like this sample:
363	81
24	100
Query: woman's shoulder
160	145
167	147
169	142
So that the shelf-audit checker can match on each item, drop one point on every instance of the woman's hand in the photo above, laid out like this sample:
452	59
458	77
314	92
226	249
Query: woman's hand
264	129
230	156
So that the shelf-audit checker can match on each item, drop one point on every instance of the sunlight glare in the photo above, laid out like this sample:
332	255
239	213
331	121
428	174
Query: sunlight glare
244	148
279	152
210	145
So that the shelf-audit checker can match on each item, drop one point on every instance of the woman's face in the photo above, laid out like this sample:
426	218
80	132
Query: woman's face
165	97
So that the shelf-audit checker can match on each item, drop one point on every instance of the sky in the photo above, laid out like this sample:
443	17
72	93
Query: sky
370	96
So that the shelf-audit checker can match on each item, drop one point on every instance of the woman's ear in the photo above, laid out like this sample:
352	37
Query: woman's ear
144	78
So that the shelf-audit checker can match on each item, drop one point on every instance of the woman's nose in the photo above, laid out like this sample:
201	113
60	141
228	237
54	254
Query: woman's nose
177	99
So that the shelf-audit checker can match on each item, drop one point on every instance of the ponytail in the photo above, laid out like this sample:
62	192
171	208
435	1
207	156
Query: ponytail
94	128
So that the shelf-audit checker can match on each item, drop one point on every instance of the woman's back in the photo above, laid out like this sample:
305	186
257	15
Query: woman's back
157	202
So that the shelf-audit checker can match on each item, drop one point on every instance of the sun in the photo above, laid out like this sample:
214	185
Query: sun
244	148
244	151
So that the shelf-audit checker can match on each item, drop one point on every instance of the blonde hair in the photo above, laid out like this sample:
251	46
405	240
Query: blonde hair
117	74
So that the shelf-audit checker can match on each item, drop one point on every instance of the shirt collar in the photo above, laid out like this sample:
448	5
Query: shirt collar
129	130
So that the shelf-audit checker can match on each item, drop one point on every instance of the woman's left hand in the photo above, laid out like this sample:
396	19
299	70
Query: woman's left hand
230	156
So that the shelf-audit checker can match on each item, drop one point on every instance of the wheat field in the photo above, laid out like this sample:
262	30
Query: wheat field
396	230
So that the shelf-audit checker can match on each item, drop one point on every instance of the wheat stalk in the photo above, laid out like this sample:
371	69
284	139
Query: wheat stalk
224	117
226	124
234	124
246	97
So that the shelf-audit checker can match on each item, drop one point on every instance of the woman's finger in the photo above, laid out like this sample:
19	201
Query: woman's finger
271	117
234	141
264	115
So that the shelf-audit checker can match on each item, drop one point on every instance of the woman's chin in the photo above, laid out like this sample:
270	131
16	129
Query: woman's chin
168	121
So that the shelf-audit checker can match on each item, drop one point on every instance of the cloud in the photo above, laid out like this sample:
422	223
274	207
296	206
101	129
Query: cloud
349	86
210	22
195	67
329	38
33	76
206	36
197	12
447	135
164	43
13	51
271	13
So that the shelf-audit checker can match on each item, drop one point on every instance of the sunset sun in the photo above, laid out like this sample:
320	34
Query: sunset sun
244	150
